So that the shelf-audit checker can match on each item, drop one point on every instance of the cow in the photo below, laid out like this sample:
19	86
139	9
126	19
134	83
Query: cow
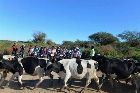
3	70
136	81
113	68
135	78
74	68
29	65
12	66
34	66
8	57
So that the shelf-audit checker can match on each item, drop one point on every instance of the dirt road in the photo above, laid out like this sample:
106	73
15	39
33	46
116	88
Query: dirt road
48	87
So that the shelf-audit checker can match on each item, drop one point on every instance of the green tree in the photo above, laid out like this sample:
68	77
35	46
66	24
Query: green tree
85	44
50	42
39	37
79	43
131	37
103	38
68	44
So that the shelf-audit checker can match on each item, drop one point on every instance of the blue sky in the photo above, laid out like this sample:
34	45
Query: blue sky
67	19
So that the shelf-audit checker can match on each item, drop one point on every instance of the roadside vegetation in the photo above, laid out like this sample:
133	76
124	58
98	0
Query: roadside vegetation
126	44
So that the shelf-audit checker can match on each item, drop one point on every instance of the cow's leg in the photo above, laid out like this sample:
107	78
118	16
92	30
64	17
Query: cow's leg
97	81
59	79
136	88
102	80
65	82
112	81
4	75
20	80
51	80
136	85
40	81
87	83
12	77
70	82
40	73
2	80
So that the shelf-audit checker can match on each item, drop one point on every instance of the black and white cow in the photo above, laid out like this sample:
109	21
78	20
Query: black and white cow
10	65
30	65
72	68
114	68
135	78
34	66
8	57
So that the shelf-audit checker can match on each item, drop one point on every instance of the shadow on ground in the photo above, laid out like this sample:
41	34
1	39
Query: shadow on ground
76	86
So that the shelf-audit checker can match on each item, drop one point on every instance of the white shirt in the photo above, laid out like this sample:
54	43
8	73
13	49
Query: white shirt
93	52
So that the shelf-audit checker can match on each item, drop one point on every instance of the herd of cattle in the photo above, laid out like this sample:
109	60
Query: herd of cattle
112	70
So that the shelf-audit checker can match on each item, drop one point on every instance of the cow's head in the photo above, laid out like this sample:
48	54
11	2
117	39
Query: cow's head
98	57
129	61
55	59
48	70
101	61
15	59
55	67
130	64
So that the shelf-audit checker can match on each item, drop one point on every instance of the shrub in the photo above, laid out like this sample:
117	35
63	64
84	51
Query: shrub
108	51
6	52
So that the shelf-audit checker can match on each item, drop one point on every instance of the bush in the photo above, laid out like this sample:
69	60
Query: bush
86	53
6	52
134	54
109	51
